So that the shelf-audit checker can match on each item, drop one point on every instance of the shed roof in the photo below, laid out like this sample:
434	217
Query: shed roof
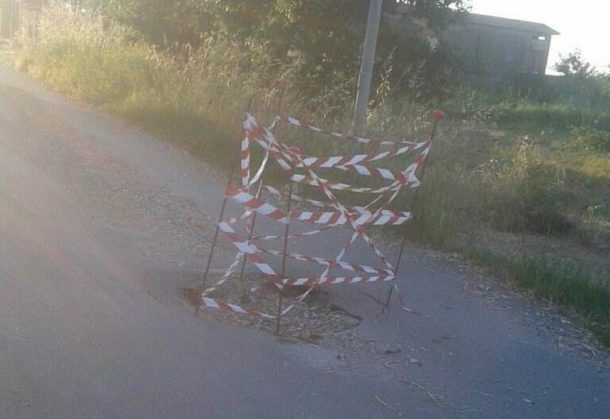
505	23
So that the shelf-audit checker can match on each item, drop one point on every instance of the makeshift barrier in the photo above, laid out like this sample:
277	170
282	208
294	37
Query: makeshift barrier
319	215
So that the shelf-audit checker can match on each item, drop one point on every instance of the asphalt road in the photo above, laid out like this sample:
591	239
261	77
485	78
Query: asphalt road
100	224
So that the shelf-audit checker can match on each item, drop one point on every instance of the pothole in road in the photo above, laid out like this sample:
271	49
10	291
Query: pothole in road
310	320
316	320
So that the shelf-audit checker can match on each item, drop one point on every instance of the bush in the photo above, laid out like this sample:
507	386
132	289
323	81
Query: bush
525	194
592	139
553	117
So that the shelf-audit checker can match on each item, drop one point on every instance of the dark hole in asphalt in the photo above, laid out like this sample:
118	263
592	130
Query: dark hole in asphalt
311	318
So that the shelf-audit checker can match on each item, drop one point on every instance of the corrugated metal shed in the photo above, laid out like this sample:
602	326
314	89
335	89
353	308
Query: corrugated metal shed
511	24
496	48
489	48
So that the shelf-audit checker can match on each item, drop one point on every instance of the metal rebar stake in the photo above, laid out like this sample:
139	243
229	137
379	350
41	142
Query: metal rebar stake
214	240
284	255
397	265
250	234
437	117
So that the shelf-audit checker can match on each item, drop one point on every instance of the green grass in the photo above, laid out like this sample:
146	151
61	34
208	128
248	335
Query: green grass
561	283
593	166
574	108
555	117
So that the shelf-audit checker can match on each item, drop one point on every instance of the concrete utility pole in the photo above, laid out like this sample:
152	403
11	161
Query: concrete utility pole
366	66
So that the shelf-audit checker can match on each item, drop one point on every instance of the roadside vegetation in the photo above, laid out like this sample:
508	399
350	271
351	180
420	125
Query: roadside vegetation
518	179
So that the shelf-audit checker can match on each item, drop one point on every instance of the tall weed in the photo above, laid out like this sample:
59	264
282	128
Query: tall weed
192	95
525	193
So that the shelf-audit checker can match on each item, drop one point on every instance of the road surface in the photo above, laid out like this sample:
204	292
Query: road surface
101	225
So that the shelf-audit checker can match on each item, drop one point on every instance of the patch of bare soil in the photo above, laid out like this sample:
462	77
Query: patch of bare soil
310	320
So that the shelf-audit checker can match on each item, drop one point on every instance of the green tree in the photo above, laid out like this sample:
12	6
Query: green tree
319	40
437	12
163	22
575	65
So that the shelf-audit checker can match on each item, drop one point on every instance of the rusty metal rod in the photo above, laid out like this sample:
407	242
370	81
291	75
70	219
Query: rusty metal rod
437	117
204	280
250	234
284	256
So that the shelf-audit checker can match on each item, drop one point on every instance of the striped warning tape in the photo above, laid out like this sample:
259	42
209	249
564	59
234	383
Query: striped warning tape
215	303
359	217
302	124
251	203
253	254
358	163
316	282
218	304
295	198
340	187
294	156
325	262
334	161
364	217
250	251
292	236
329	214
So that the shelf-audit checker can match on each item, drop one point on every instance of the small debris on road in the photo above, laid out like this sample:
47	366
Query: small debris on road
387	406
392	350
529	401
310	320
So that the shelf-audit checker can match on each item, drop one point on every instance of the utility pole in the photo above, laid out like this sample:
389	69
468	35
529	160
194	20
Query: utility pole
367	63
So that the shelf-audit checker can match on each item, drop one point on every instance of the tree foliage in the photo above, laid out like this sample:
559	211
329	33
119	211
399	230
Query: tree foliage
437	12
575	65
318	40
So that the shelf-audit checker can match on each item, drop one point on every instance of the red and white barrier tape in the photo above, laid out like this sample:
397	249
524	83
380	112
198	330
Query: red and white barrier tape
302	124
316	282
327	262
330	214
